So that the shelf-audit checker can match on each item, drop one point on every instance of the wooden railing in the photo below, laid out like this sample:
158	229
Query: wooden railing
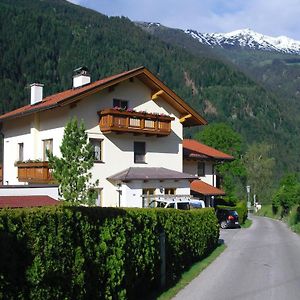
34	172
112	120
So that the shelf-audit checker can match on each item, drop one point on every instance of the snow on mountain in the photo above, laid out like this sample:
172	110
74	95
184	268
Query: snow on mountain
248	39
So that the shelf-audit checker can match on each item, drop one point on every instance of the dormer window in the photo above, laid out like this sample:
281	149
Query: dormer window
120	103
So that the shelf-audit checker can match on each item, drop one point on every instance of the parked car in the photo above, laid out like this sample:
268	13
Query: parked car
228	218
177	204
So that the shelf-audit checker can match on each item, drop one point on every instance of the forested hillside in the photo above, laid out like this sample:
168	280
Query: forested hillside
43	41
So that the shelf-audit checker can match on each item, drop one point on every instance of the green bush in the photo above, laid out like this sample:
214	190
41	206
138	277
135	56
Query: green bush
240	208
97	253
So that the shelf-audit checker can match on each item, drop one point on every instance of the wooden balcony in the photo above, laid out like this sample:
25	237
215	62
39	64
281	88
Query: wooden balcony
112	120
34	172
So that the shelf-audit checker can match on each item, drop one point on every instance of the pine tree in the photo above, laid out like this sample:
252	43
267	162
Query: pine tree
72	169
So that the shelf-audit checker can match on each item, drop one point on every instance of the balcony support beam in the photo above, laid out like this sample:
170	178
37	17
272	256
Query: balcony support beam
183	119
157	94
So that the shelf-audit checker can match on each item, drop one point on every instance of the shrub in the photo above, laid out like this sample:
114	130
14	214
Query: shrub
97	253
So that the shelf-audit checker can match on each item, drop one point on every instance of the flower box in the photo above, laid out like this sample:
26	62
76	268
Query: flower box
34	172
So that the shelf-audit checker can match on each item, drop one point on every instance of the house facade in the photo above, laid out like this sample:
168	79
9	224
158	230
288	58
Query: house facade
200	160
134	122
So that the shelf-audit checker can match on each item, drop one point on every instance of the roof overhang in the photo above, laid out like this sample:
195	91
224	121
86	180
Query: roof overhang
149	173
205	189
188	115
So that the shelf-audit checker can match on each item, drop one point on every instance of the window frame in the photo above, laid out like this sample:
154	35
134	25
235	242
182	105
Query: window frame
139	154
170	191
45	157
101	149
147	193
20	151
123	104
202	173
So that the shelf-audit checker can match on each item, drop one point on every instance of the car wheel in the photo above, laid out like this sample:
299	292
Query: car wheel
223	224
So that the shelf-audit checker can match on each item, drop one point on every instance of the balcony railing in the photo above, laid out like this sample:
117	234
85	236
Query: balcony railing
112	120
34	172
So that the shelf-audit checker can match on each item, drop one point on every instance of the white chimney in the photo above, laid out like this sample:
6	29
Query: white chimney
81	77
36	93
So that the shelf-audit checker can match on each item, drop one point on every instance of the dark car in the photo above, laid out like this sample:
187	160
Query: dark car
228	218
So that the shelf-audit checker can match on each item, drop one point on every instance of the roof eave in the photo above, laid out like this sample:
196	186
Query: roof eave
195	120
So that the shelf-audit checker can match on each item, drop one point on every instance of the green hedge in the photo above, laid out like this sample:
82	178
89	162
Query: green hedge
97	253
241	209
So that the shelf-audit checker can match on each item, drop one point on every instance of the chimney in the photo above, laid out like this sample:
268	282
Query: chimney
81	77
36	93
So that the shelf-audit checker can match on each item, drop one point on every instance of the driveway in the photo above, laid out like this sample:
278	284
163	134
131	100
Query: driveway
261	262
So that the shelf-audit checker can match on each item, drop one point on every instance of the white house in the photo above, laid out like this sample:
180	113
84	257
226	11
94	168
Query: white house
200	160
134	121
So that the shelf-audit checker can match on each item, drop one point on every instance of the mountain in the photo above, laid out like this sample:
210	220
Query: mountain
248	39
273	63
44	40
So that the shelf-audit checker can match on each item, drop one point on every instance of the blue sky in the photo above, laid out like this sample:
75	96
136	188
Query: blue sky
270	17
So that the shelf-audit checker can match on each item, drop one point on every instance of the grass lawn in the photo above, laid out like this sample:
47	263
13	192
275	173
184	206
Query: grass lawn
266	211
192	273
247	224
292	219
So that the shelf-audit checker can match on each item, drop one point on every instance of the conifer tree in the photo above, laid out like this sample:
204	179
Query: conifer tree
72	169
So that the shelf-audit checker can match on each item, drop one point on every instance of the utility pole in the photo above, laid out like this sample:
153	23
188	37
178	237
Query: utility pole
248	197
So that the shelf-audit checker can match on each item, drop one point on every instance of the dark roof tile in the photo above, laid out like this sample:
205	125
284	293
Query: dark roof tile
26	201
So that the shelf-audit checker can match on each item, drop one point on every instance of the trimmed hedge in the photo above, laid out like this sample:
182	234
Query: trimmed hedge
241	209
97	253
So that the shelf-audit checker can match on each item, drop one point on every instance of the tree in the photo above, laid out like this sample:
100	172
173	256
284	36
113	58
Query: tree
222	137
288	193
71	170
260	166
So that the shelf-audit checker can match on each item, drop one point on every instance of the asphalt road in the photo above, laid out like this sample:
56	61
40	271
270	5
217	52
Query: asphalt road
261	262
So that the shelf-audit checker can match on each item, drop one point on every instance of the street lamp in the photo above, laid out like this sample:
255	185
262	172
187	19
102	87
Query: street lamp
119	190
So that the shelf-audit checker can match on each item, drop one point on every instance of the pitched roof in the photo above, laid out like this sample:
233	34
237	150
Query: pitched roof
190	116
149	174
26	201
205	189
195	149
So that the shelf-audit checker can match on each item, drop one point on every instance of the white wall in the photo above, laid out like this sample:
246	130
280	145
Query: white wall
51	191
191	167
133	190
117	148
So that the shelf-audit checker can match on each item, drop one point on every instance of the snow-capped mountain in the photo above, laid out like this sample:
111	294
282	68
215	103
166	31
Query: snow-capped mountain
247	38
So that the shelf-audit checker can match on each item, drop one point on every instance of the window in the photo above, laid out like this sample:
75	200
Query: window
99	197
98	149
170	191
47	145
147	196
139	152
120	103
201	169
21	152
